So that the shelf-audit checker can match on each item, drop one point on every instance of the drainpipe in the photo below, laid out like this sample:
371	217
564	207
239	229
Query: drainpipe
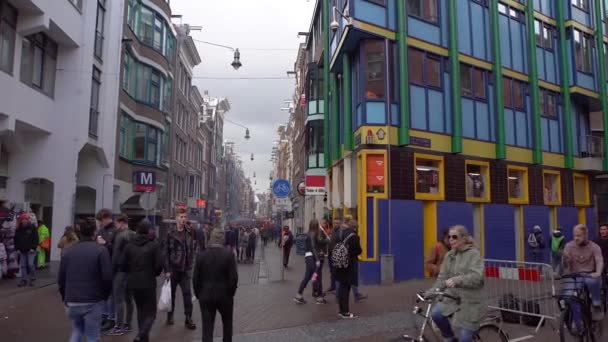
348	102
501	151
599	36
326	51
564	65
455	79
404	86
537	155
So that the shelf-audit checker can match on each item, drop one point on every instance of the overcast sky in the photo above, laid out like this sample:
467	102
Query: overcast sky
253	27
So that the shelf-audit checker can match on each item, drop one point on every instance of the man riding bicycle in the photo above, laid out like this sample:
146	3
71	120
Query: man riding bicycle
584	256
462	276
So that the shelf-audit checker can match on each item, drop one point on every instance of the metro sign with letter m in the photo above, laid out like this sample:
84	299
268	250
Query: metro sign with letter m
144	181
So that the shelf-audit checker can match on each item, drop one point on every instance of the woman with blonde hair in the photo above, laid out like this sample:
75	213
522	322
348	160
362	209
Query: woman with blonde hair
68	239
462	276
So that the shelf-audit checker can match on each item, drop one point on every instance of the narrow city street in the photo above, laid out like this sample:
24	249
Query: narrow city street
264	311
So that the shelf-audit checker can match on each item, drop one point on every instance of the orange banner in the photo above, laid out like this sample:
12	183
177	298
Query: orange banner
375	169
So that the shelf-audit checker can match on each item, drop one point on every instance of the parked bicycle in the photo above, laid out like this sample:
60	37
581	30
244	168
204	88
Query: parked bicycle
489	330
575	305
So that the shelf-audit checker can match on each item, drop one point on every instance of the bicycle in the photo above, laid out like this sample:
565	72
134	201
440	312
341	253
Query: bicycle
489	330
575	305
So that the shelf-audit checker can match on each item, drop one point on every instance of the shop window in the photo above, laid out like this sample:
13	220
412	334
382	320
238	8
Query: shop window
551	187
429	177
517	178
375	170
477	181
581	190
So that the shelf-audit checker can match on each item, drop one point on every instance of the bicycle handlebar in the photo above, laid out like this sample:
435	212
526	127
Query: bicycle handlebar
436	294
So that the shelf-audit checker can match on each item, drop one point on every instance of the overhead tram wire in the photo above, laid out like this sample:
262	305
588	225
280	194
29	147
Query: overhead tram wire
243	49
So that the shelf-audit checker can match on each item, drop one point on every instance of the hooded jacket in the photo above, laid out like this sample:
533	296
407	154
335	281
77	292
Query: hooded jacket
143	262
465	267
26	238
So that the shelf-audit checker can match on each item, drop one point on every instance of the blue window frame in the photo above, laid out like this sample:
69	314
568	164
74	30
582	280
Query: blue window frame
548	103
473	82
544	35
146	84
425	69
583	50
512	12
426	10
583	5
514	94
145	143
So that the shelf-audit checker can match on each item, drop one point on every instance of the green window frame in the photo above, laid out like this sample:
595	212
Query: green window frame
124	137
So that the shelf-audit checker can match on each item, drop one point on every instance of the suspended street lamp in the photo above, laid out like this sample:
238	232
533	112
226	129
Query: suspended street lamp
236	63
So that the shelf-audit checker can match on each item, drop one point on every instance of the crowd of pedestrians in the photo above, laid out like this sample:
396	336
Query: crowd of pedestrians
108	270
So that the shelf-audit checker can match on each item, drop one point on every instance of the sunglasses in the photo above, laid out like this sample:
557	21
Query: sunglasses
453	237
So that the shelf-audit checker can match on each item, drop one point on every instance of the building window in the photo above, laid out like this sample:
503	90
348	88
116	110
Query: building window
8	23
145	143
123	142
581	189
429	177
582	48
514	94
512	12
94	110
548	103
423	9
99	28
151	84
151	28
158	33
478	181
581	4
155	87
552	187
39	62
544	35
517	178
314	144
424	68
375	69
473	82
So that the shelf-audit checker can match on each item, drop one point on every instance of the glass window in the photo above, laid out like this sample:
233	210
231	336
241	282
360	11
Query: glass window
155	87
416	66
433	71
139	142
466	84
581	4
99	28
477	181
146	26
429	177
551	187
94	110
514	96
423	9
518	184
375	168
582	47
507	92
581	189
424	68
375	57
124	136
548	106
158	33
8	23
145	143
479	83
544	35
39	62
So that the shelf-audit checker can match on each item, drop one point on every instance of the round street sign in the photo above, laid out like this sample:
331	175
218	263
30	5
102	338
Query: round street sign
281	188
302	188
148	200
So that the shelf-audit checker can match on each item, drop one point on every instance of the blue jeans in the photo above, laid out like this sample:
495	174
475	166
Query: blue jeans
86	321
594	285
443	323
26	261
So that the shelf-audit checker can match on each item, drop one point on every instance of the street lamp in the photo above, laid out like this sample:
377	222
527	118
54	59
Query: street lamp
236	63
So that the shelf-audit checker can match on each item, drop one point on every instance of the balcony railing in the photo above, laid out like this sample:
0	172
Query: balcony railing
93	122
595	147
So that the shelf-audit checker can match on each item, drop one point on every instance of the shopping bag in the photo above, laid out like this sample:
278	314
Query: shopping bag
164	302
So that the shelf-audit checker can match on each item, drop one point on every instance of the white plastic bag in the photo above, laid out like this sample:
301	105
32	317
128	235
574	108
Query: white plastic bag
164	302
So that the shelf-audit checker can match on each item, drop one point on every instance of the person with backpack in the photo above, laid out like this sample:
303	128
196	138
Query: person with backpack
558	242
345	248
436	255
536	244
286	243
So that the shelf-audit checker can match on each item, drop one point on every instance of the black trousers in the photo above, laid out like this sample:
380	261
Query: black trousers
184	280
145	301
343	298
208	311
286	252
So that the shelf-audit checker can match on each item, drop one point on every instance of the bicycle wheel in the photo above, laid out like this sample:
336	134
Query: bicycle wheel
565	335
490	333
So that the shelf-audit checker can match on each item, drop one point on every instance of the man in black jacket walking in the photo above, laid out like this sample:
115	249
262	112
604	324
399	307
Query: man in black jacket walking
215	280
26	242
85	283
143	262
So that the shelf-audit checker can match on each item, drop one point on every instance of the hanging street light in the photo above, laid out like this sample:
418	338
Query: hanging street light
247	136
236	64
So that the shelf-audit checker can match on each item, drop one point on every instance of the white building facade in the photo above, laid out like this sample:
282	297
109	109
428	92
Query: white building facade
59	81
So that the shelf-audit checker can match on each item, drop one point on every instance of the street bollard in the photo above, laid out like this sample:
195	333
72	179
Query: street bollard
387	269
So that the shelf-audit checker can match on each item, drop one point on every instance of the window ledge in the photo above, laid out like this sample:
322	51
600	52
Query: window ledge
429	197
478	200
518	201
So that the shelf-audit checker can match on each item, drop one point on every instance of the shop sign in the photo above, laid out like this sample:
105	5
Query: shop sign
375	170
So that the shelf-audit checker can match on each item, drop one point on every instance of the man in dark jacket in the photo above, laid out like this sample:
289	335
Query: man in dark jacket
286	242
142	261
105	237
26	242
122	298
215	281
346	277
85	283
180	251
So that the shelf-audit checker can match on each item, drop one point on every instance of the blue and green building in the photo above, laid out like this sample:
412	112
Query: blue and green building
432	113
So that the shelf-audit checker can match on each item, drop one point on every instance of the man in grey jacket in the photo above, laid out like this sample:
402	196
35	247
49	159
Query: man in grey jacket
122	297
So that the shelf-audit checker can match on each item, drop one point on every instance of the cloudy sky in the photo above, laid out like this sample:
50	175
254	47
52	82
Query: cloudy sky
265	31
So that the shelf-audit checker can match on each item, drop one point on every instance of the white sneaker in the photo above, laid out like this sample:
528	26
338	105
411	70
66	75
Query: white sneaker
347	315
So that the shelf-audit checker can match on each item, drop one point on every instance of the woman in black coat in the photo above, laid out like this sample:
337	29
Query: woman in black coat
347	277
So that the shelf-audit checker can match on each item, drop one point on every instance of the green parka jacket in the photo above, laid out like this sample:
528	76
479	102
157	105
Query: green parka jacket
465	267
